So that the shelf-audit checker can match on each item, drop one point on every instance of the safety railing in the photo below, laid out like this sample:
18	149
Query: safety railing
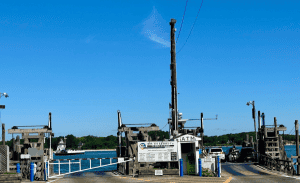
286	166
71	161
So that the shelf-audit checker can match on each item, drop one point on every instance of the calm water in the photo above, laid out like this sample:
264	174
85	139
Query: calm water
290	150
86	163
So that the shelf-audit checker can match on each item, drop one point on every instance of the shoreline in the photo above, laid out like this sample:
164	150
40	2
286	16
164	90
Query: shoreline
88	150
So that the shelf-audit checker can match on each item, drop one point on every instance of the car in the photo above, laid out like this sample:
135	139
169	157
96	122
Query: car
247	154
217	151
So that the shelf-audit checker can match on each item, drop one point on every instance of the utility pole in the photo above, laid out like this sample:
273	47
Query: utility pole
253	116
3	125
173	81
202	127
297	146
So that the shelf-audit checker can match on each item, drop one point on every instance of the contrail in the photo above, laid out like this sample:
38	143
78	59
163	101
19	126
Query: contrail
153	29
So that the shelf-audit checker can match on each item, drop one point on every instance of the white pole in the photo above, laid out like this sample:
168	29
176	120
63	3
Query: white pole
48	168
58	167
100	162
50	156
69	166
110	160
90	163
79	164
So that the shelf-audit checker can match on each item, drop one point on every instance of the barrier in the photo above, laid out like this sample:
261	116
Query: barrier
31	172
181	167
18	168
200	167
218	166
286	166
80	168
45	172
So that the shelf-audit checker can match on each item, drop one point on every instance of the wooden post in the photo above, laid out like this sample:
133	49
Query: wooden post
3	134
173	80
275	129
202	134
297	146
259	124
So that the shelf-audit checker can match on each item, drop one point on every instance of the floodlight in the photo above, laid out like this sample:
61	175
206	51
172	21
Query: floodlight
4	94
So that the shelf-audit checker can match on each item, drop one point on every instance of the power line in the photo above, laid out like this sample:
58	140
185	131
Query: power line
192	27
182	20
291	130
164	126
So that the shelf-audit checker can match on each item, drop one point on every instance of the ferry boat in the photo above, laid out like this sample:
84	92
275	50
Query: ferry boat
61	149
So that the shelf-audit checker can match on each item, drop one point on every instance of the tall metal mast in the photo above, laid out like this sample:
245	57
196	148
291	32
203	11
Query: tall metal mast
174	130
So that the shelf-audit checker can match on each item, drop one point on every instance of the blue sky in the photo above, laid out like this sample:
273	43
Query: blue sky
84	60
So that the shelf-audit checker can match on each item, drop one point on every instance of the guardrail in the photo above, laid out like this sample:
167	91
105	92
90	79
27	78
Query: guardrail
79	162
286	166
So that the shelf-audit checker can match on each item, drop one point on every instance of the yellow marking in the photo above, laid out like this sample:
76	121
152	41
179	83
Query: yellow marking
228	180
140	179
147	180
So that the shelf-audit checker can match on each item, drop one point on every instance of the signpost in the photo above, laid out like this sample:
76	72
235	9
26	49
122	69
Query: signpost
157	151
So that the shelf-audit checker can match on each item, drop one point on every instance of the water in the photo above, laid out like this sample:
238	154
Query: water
64	168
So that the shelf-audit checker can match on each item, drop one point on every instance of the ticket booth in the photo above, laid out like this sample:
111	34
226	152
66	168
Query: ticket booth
188	150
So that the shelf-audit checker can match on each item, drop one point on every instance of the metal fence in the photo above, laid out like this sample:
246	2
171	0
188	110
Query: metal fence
286	166
120	160
4	159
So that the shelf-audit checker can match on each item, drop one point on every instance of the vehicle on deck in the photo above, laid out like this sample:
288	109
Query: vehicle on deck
217	151
233	154
247	154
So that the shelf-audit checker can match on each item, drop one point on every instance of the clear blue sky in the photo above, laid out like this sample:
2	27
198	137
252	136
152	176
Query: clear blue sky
84	60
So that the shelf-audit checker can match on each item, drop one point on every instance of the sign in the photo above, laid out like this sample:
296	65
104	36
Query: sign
158	172
157	151
188	138
25	156
120	160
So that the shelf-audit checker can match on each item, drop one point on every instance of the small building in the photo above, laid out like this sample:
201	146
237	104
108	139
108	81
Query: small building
80	144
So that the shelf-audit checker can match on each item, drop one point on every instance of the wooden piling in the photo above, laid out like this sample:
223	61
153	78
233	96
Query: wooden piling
275	128
3	134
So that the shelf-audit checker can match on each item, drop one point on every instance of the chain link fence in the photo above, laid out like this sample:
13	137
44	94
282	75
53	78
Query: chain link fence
4	159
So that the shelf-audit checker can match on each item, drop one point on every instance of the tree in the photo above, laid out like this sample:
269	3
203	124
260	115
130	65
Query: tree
72	142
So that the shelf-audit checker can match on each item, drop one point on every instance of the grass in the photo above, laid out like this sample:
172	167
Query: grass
9	173
206	173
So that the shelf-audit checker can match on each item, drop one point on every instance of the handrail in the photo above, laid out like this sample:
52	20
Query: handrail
286	166
79	162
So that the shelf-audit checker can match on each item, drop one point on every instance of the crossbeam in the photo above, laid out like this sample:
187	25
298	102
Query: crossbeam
12	131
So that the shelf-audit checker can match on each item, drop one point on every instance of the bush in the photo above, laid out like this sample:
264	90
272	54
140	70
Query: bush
207	173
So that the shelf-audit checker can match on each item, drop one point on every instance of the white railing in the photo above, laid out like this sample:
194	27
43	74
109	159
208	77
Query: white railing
79	162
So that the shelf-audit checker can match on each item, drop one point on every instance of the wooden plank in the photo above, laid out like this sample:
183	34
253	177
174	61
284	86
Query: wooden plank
11	131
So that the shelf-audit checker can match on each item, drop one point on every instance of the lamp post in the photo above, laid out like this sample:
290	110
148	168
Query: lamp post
3	125
253	116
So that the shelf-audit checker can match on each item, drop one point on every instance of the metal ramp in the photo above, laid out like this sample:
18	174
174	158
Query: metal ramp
79	161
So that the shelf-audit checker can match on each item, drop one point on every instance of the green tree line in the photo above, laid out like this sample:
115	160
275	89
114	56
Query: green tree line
111	142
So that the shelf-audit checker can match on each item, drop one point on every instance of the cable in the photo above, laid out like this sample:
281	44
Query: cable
164	126
191	28
291	130
182	20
